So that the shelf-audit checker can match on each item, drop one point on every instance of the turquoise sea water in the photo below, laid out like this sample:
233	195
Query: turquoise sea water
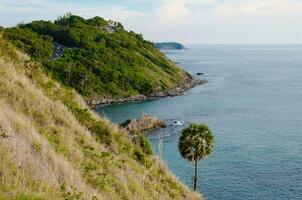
252	103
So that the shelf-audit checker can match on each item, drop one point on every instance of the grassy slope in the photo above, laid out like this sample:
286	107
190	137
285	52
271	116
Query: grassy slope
96	63
53	147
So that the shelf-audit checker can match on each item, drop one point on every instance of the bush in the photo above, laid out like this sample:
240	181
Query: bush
40	47
143	143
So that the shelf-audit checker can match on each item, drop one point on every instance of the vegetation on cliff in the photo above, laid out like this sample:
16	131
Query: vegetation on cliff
101	59
52	146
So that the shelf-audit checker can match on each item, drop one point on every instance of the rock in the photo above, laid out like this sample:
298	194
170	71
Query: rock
125	123
142	124
178	123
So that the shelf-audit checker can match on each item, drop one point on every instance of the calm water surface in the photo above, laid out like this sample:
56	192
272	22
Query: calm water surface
253	104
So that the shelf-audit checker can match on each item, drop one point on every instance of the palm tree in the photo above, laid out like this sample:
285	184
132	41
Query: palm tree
195	143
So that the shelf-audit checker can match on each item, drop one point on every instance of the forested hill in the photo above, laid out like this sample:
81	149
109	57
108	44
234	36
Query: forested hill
98	58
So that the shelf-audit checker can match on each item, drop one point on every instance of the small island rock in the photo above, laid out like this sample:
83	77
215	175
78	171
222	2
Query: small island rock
144	123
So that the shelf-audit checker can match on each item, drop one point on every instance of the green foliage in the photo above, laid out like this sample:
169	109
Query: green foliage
143	143
97	21
196	142
144	150
39	47
141	157
71	195
97	63
7	51
98	128
25	197
36	147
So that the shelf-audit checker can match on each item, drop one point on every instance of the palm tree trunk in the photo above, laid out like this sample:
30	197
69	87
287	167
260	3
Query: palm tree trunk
196	175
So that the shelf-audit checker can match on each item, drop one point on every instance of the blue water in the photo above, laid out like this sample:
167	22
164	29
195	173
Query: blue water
253	104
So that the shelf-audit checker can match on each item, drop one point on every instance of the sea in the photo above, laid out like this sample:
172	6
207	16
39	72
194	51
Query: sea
253	105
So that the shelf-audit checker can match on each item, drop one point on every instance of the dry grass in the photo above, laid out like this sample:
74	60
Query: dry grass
15	181
34	154
31	114
49	146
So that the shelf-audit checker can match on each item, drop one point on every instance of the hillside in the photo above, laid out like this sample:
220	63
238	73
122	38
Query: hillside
98	58
52	146
169	46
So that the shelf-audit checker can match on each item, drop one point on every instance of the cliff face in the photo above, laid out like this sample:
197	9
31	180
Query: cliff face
52	146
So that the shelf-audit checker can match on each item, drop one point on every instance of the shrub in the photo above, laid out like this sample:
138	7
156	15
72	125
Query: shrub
39	47
143	143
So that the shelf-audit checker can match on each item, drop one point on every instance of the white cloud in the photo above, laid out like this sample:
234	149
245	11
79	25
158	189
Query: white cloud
13	11
173	12
188	21
268	7
247	7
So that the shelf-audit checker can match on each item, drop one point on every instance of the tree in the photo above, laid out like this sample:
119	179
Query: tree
196	142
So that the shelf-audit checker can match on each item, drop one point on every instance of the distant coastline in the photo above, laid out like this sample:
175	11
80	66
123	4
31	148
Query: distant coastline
169	46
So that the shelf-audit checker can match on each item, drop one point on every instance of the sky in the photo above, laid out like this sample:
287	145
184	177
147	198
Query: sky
185	21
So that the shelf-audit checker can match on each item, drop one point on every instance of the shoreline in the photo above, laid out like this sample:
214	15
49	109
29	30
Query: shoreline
177	91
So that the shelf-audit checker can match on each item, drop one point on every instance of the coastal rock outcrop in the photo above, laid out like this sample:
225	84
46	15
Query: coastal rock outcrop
145	123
